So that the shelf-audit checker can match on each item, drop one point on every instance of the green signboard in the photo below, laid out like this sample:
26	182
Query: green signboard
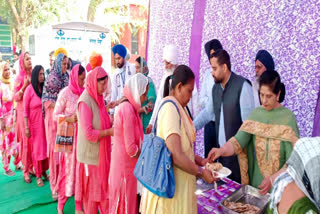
5	41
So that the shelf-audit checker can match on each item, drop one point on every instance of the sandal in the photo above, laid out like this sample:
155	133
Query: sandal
55	196
27	179
40	182
59	211
9	173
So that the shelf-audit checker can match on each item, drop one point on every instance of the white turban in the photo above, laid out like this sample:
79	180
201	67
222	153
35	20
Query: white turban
137	85
170	54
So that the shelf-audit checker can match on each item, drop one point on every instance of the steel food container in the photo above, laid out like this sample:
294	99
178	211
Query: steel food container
249	195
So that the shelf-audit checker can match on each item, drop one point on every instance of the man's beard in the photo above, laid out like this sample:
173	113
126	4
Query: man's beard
217	80
256	82
120	65
170	70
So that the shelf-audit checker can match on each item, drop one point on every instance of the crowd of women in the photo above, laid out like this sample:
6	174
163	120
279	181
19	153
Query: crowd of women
61	121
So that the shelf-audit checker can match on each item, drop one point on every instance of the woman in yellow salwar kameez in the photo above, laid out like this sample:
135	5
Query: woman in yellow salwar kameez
265	140
180	138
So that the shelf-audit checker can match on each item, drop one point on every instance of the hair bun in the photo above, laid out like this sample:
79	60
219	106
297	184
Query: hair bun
282	92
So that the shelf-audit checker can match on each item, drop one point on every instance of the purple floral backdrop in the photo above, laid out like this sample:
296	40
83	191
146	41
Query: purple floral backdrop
289	30
170	22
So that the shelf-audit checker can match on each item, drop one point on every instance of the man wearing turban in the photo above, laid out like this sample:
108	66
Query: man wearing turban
170	58
264	62
205	92
124	70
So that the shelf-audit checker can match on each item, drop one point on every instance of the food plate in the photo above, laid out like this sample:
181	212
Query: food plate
223	173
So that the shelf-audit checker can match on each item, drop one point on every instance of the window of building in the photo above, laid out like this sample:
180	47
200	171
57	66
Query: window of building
134	41
32	45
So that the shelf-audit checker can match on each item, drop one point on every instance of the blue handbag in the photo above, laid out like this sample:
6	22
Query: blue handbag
154	167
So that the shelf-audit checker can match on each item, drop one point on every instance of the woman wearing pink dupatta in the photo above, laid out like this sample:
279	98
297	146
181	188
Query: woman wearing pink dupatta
21	83
66	106
94	143
126	148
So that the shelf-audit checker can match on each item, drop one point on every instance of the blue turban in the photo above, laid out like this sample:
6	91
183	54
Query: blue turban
119	49
266	59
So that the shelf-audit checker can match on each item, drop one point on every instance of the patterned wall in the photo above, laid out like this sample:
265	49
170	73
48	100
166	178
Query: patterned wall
170	23
289	30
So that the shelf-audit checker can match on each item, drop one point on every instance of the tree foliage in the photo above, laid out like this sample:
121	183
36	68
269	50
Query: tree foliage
92	9
116	10
25	14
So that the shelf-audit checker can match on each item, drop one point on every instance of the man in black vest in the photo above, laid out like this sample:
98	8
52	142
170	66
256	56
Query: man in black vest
230	104
210	138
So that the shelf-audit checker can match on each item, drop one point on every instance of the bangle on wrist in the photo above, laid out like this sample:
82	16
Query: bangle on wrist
199	173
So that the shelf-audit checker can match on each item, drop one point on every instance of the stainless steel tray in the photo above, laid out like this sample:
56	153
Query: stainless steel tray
249	195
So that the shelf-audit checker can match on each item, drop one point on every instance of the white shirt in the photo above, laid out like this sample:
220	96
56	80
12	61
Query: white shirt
119	79
206	88
16	66
192	105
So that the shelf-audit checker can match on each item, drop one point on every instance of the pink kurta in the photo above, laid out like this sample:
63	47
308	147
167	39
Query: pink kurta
66	106
91	184
51	133
8	145
18	97
19	128
126	142
37	141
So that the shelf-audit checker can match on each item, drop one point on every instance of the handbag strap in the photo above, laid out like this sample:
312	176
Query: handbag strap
189	112
164	102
